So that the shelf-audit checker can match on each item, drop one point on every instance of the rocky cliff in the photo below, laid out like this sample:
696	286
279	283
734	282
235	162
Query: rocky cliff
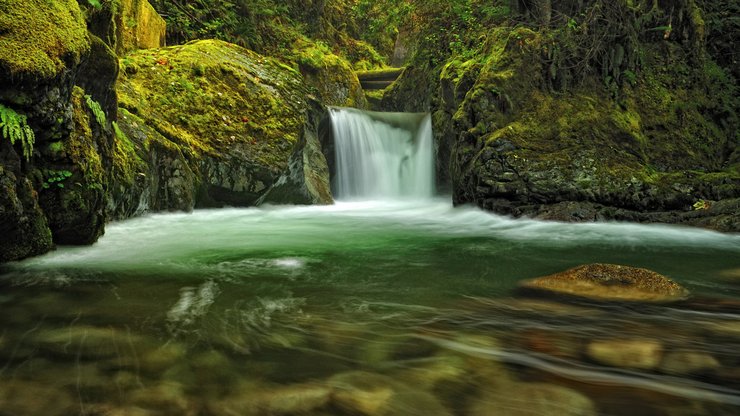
554	123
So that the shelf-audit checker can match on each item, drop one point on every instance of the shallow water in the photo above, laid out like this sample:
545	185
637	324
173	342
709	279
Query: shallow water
204	312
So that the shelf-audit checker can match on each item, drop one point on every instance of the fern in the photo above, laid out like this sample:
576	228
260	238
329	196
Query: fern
15	127
96	110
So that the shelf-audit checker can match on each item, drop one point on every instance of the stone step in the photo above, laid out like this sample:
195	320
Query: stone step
378	79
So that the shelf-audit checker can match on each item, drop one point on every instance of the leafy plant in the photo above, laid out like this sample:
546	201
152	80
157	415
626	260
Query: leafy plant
96	110
15	127
701	205
55	177
96	4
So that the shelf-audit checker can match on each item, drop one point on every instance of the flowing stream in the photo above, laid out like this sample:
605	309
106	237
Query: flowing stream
390	302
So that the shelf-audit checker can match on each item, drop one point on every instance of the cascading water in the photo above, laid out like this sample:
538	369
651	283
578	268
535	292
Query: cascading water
382	155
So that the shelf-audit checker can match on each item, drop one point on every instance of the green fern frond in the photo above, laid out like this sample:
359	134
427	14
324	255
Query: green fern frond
15	128
96	110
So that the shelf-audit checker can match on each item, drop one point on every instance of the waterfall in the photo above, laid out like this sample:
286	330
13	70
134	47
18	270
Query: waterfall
382	155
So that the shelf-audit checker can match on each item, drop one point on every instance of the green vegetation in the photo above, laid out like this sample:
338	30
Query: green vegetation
97	111
15	128
210	96
59	35
55	178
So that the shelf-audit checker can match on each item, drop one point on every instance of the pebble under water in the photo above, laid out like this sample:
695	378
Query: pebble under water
365	308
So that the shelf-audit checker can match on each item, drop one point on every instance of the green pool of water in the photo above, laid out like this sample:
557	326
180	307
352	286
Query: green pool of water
201	313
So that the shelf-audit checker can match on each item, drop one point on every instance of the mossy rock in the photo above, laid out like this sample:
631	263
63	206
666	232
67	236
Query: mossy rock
519	148
331	77
73	178
609	282
235	116
40	38
149	172
22	223
97	76
138	26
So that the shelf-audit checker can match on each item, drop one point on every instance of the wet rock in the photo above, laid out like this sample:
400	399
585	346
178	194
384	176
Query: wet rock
731	275
724	329
280	400
688	362
85	341
532	399
24	227
608	282
377	395
157	360
641	354
26	399
167	398
435	371
110	410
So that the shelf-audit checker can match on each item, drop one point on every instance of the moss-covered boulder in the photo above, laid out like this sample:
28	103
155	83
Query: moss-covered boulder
41	45
226	121
330	77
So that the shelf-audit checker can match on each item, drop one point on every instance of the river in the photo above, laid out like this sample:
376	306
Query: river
382	306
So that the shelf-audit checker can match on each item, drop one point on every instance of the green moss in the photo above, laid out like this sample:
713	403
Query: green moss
126	161
40	38
80	147
235	98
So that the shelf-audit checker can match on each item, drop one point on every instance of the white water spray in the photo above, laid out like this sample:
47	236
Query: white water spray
382	155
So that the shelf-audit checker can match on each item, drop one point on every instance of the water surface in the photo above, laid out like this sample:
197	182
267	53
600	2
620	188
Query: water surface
210	308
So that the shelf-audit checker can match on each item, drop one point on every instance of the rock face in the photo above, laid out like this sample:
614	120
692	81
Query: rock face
52	192
307	178
212	124
609	282
518	135
138	26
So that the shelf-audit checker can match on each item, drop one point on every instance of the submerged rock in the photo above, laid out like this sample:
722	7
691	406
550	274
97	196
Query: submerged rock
688	362
86	341
370	394
609	282
279	400
27	398
532	399
641	354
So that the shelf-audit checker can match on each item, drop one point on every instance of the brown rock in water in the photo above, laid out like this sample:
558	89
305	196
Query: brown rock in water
609	282
532	399
642	354
370	394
